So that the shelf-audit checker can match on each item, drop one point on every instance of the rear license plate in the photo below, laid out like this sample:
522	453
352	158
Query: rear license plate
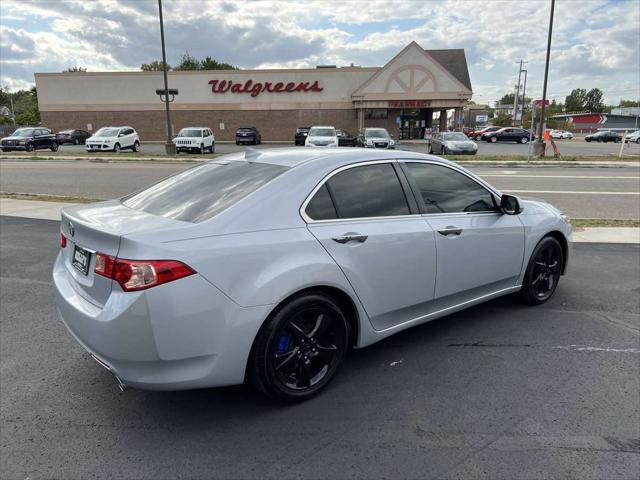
81	259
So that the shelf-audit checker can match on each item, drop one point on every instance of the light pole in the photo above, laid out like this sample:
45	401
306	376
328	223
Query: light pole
538	149
524	99
169	147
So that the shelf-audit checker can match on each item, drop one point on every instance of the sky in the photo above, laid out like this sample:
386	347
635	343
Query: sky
596	43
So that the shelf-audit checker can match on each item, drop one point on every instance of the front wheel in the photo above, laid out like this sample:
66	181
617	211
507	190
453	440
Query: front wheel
54	146
201	150
493	139
116	148
588	140
29	147
76	141
299	349
543	272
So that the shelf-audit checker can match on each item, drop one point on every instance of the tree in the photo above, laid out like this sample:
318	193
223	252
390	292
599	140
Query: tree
507	99
628	103
502	120
574	102
25	105
74	69
210	64
593	101
153	66
188	62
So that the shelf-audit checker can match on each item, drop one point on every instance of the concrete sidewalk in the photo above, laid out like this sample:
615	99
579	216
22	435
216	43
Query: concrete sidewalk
51	211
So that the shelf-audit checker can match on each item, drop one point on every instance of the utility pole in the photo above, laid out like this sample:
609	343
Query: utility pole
169	147
516	98
539	146
524	98
13	112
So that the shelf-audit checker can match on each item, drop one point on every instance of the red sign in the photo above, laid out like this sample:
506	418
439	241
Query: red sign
255	89
409	103
538	103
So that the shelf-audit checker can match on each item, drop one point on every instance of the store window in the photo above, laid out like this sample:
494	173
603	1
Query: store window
375	113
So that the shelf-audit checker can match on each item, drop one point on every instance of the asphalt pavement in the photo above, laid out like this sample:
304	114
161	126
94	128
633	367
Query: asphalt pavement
500	391
576	146
612	192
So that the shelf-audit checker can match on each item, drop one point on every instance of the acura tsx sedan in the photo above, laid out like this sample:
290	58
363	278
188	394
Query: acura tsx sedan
267	267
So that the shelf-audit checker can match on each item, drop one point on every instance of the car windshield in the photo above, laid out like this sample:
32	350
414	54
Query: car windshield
322	132
23	132
107	132
302	130
190	133
204	191
376	133
455	136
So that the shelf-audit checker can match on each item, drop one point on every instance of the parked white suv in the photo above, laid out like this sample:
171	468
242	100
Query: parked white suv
322	137
195	139
562	134
633	137
113	139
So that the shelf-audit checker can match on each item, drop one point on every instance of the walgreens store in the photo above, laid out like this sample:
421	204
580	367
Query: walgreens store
416	89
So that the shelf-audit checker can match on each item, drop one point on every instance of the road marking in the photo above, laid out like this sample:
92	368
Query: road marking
556	176
584	348
565	192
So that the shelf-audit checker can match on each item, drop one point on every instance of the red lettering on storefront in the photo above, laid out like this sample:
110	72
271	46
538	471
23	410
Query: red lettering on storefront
255	89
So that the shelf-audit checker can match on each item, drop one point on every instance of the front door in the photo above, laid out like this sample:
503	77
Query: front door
480	250
364	220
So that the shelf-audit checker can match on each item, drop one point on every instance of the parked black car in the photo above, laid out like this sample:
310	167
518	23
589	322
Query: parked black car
301	135
604	136
77	137
249	135
508	134
345	139
30	139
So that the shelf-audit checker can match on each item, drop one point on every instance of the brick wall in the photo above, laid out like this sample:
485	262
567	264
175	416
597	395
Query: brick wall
274	125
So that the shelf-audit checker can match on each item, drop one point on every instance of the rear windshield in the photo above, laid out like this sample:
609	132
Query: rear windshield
322	132
203	191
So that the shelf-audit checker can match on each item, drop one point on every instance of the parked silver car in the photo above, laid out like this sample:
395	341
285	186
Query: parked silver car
452	143
267	266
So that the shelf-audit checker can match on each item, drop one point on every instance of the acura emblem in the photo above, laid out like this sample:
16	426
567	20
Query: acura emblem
72	230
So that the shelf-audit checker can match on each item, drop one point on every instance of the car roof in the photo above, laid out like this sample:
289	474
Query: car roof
293	157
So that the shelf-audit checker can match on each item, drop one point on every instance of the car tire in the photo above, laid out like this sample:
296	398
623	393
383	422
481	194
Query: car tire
136	146
212	148
588	140
543	272
638	140
54	146
478	138
291	363
524	140
76	141
443	151
116	148
430	149
29	147
237	142
493	139
617	140
201	149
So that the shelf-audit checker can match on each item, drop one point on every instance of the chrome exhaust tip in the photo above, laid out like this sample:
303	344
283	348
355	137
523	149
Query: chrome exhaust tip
121	385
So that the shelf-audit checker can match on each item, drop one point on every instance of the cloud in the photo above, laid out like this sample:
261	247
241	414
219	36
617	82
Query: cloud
589	49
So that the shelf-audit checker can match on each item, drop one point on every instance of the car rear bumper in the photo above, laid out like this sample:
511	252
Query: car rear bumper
180	335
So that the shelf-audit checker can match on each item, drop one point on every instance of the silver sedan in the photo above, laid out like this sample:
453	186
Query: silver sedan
452	143
268	266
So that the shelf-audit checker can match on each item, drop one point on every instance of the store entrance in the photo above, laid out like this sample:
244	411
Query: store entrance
412	123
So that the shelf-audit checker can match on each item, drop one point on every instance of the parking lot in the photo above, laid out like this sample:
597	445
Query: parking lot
577	146
497	391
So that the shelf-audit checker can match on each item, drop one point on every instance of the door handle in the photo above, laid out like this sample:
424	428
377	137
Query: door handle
450	230
351	238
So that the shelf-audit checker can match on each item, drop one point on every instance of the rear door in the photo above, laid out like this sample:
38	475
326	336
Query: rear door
366	218
480	250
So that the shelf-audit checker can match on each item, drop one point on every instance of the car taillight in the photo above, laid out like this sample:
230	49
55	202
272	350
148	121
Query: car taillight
135	275
63	241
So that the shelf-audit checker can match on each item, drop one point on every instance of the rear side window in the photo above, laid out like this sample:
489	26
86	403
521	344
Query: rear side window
368	191
321	206
203	191
444	190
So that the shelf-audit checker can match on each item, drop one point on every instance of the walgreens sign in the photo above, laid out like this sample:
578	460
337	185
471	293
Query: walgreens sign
256	88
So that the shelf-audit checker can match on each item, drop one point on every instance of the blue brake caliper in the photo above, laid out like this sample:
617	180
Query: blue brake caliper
283	343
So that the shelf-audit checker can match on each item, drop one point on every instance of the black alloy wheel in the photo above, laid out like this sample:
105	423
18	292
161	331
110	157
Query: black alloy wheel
29	147
54	146
76	141
300	348
543	272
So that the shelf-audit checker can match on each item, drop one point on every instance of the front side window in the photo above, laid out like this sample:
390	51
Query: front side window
444	190
368	191
107	132
204	191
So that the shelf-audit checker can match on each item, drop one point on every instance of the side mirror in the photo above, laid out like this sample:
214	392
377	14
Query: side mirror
510	205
